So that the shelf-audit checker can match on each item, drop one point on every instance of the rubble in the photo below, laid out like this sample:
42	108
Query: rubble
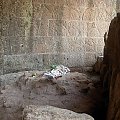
57	71
52	113
30	88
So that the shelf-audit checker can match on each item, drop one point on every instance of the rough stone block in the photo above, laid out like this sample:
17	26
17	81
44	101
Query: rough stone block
100	42
90	44
1	64
102	27
51	28
5	31
60	44
57	28
51	59
101	15
74	44
15	63
37	12
40	27
50	2
5	10
117	6
23	8
64	28
72	13
92	30
14	45
5	26
6	45
54	2
49	112
100	49
89	14
44	45
74	59
75	3
49	11
38	1
76	28
16	27
58	12
90	59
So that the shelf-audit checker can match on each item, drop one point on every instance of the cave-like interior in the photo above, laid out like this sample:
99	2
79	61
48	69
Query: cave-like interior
39	36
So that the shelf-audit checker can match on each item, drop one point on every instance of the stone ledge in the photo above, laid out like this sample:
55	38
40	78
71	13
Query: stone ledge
53	113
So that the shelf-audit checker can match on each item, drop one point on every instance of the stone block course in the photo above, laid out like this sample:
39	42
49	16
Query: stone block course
60	27
74	59
14	63
14	45
40	27
44	45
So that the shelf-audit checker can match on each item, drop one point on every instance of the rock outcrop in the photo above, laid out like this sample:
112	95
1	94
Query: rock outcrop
111	70
52	113
75	91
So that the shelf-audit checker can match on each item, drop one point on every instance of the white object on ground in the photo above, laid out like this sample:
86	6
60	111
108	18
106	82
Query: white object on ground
59	71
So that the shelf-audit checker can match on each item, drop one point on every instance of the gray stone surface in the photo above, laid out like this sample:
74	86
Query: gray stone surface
53	113
118	5
62	27
11	78
14	63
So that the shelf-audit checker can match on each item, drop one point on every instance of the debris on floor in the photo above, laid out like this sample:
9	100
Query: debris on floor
52	113
57	71
73	91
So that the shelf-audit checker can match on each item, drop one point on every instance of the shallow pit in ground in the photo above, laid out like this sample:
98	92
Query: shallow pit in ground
79	92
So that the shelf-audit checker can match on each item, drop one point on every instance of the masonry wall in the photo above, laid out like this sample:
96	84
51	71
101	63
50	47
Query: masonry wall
118	6
37	33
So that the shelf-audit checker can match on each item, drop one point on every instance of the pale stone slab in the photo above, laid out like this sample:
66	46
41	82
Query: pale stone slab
53	113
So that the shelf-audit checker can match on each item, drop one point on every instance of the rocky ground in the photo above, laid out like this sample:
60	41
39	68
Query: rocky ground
79	92
52	113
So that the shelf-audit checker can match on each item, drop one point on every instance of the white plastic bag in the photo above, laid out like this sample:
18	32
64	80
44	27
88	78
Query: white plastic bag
59	71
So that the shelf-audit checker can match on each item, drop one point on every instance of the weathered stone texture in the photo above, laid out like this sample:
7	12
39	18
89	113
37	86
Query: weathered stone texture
14	63
1	41
118	6
54	113
56	27
90	58
90	44
110	72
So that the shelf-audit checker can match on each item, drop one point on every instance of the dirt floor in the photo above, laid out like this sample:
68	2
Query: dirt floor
74	91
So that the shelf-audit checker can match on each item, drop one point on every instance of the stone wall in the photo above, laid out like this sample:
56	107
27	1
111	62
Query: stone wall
118	6
38	33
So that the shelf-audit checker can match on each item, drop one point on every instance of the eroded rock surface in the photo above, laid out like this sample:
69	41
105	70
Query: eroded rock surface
52	113
111	70
74	91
